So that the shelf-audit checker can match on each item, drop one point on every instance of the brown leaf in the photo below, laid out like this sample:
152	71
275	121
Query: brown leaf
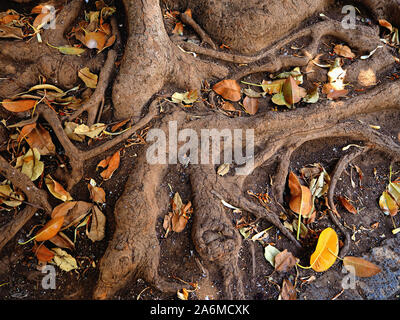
347	205
250	105
300	197
228	89
40	139
333	94
62	209
18	105
62	241
344	51
11	32
273	87
227	106
178	28
95	40
77	213
288	292
292	92
360	267
97	194
284	261
97	226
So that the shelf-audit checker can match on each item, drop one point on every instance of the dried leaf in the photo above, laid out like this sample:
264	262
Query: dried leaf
292	92
39	138
270	252
188	97
62	209
97	194
301	201
92	132
178	29
42	253
50	229
30	164
11	32
326	251
89	78
97	226
386	24
250	105
77	213
64	260
273	87
387	204
288	292
18	105
183	294
336	76
111	164
223	169
9	197
70	131
228	89
347	205
360	267
56	189
68	50
62	241
285	261
95	40
279	99
344	51
227	106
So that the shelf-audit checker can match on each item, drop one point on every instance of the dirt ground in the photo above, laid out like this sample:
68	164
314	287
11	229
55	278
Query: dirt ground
179	259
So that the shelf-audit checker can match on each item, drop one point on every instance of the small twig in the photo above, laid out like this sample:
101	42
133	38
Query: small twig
202	34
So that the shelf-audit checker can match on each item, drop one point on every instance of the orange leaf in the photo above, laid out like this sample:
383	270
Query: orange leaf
188	12
347	205
292	92
228	89
227	106
9	18
43	254
250	105
50	229
18	105
386	24
25	131
288	292
360	267
300	197
62	241
344	51
178	28
95	40
113	165
326	251
57	189
388	204
62	209
40	139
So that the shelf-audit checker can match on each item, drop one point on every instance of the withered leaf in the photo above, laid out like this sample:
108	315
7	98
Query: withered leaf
285	261
228	89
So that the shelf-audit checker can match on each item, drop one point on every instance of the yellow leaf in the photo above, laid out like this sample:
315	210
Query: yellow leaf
90	79
326	251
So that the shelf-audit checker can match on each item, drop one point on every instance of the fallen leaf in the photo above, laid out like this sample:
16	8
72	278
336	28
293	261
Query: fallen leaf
228	89
98	224
270	252
344	51
89	78
56	189
42	253
336	76
312	96
92	132
279	99
386	24
18	105
63	260
11	32
69	128
250	105
301	201
288	292
118	125
367	77
62	241
97	194
347	205
292	92
178	29
77	213
273	87
387	204
62	209
183	294
39	138
360	267
333	94
295	74
285	261
50	229
188	97
9	197
111	164
223	169
95	40
30	164
227	106
68	50
326	251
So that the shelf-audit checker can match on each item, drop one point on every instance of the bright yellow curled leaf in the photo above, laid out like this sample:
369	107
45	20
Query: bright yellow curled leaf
326	252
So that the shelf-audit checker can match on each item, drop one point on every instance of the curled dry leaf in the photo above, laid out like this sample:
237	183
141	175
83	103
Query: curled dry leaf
70	131
270	252
92	132
347	205
89	78
288	292
39	138
273	87
95	40
111	164
228	89
386	24
223	169
188	97
77	213
326	252
292	92
56	189
9	197
360	267
62	241
62	209
301	201
97	194
50	229
387	204
98	225
179	217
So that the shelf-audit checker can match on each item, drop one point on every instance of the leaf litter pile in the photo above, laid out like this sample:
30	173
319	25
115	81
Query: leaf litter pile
33	149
